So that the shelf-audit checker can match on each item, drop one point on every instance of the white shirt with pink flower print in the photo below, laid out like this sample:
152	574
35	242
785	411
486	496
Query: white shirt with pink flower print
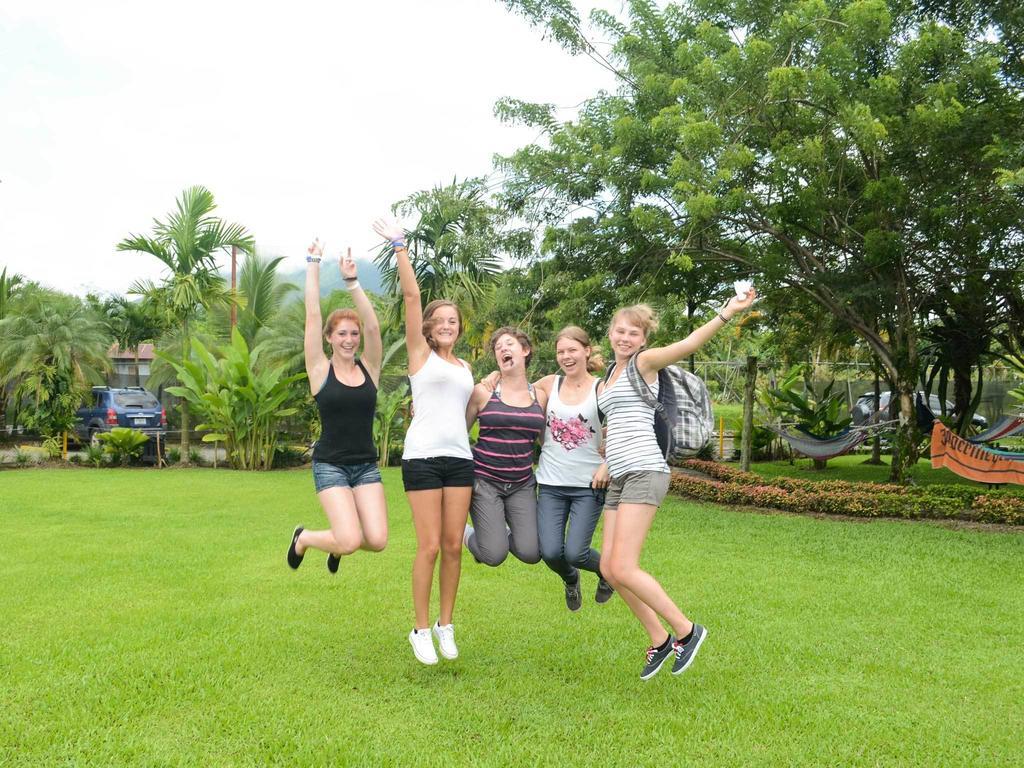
570	454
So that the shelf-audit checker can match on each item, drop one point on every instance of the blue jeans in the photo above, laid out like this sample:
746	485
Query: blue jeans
559	506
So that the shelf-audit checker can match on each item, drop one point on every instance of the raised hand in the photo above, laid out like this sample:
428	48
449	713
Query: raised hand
316	248
348	266
389	228
737	305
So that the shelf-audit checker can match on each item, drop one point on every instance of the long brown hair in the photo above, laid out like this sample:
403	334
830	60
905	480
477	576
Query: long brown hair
429	322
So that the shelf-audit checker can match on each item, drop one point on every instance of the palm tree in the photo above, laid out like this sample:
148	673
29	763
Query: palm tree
261	296
455	247
187	243
50	351
132	324
8	292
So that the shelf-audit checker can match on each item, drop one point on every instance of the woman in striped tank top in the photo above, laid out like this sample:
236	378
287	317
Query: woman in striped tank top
640	477
504	491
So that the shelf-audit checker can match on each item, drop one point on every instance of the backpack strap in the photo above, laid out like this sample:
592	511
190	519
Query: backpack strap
641	387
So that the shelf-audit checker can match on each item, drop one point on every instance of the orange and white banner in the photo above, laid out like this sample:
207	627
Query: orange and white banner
968	460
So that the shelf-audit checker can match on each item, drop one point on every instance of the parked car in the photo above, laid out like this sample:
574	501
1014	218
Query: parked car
864	408
112	407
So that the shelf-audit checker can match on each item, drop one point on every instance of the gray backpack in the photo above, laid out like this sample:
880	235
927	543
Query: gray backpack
683	420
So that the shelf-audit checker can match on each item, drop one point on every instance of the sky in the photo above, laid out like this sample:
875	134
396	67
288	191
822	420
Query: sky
304	119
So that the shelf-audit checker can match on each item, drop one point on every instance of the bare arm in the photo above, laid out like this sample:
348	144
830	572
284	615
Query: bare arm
373	349
415	343
316	360
650	361
476	401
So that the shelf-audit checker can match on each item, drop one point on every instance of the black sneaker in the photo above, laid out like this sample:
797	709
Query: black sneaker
656	658
686	653
333	561
294	558
573	599
604	591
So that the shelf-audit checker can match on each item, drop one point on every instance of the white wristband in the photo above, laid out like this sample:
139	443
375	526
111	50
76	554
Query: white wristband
352	285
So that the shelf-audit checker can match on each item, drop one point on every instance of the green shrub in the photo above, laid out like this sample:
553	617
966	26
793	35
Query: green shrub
95	455
53	447
729	485
173	455
194	457
123	444
21	458
74	458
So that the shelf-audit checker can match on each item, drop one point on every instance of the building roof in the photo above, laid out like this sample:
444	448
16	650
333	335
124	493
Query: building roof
145	352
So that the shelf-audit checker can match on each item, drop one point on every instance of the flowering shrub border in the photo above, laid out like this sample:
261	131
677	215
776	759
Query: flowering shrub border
729	485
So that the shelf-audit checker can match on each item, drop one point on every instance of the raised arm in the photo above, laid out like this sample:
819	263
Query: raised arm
316	360
650	361
416	345
373	349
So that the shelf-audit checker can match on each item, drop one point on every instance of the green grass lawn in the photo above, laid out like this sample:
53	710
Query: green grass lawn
149	619
852	467
731	412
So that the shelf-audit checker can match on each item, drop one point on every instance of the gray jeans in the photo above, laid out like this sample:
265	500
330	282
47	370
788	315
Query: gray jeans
494	505
559	506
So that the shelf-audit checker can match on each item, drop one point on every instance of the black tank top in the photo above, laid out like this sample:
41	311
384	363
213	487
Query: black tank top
346	418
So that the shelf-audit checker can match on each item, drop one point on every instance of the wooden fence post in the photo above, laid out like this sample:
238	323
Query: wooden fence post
748	413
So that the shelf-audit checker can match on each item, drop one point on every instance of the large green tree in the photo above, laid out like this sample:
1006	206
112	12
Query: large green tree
187	242
846	150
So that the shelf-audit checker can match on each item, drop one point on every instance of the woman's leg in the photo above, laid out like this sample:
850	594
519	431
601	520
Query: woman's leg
647	617
455	510
521	514
373	515
345	535
552	512
622	567
488	542
426	518
584	512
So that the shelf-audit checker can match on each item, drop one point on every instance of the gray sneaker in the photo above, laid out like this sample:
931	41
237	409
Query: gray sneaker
686	653
573	599
657	658
604	591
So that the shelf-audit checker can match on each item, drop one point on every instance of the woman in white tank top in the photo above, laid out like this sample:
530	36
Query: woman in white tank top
437	465
571	474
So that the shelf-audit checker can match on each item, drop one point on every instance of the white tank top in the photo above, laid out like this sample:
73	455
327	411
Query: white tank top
572	437
440	394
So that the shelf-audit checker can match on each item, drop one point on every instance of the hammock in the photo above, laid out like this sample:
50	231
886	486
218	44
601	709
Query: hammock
822	448
974	462
1008	426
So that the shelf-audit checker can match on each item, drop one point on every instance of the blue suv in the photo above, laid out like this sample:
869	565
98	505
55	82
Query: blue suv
112	407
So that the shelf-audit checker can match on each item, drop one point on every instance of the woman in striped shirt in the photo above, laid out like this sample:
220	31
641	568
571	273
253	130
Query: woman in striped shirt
504	491
640	477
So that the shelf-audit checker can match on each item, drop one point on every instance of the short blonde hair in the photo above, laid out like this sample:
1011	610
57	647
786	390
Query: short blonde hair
639	315
595	362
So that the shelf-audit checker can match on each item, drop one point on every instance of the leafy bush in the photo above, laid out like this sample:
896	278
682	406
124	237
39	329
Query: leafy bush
729	485
53	447
94	454
818	416
194	457
240	401
123	444
74	458
173	455
286	456
21	458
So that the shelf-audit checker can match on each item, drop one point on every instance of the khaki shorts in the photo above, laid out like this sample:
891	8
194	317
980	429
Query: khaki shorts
637	488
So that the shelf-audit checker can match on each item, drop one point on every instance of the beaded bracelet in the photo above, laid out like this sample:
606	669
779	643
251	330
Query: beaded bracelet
313	259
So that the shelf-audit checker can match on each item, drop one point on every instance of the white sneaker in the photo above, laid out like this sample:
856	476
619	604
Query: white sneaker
446	640
423	646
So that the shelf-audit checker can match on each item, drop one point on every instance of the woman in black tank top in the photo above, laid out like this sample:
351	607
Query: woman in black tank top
344	387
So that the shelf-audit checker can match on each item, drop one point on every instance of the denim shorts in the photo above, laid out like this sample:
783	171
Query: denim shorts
343	476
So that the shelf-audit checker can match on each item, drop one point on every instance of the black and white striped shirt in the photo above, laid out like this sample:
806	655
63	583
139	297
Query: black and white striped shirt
631	445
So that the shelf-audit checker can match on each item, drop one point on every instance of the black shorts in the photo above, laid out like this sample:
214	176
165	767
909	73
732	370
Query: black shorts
437	472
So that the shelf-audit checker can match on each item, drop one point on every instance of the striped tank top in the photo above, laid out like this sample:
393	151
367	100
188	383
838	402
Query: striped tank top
504	451
630	445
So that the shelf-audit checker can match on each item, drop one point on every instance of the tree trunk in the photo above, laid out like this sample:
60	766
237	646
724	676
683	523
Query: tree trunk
819	464
906	443
747	443
876	442
186	348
